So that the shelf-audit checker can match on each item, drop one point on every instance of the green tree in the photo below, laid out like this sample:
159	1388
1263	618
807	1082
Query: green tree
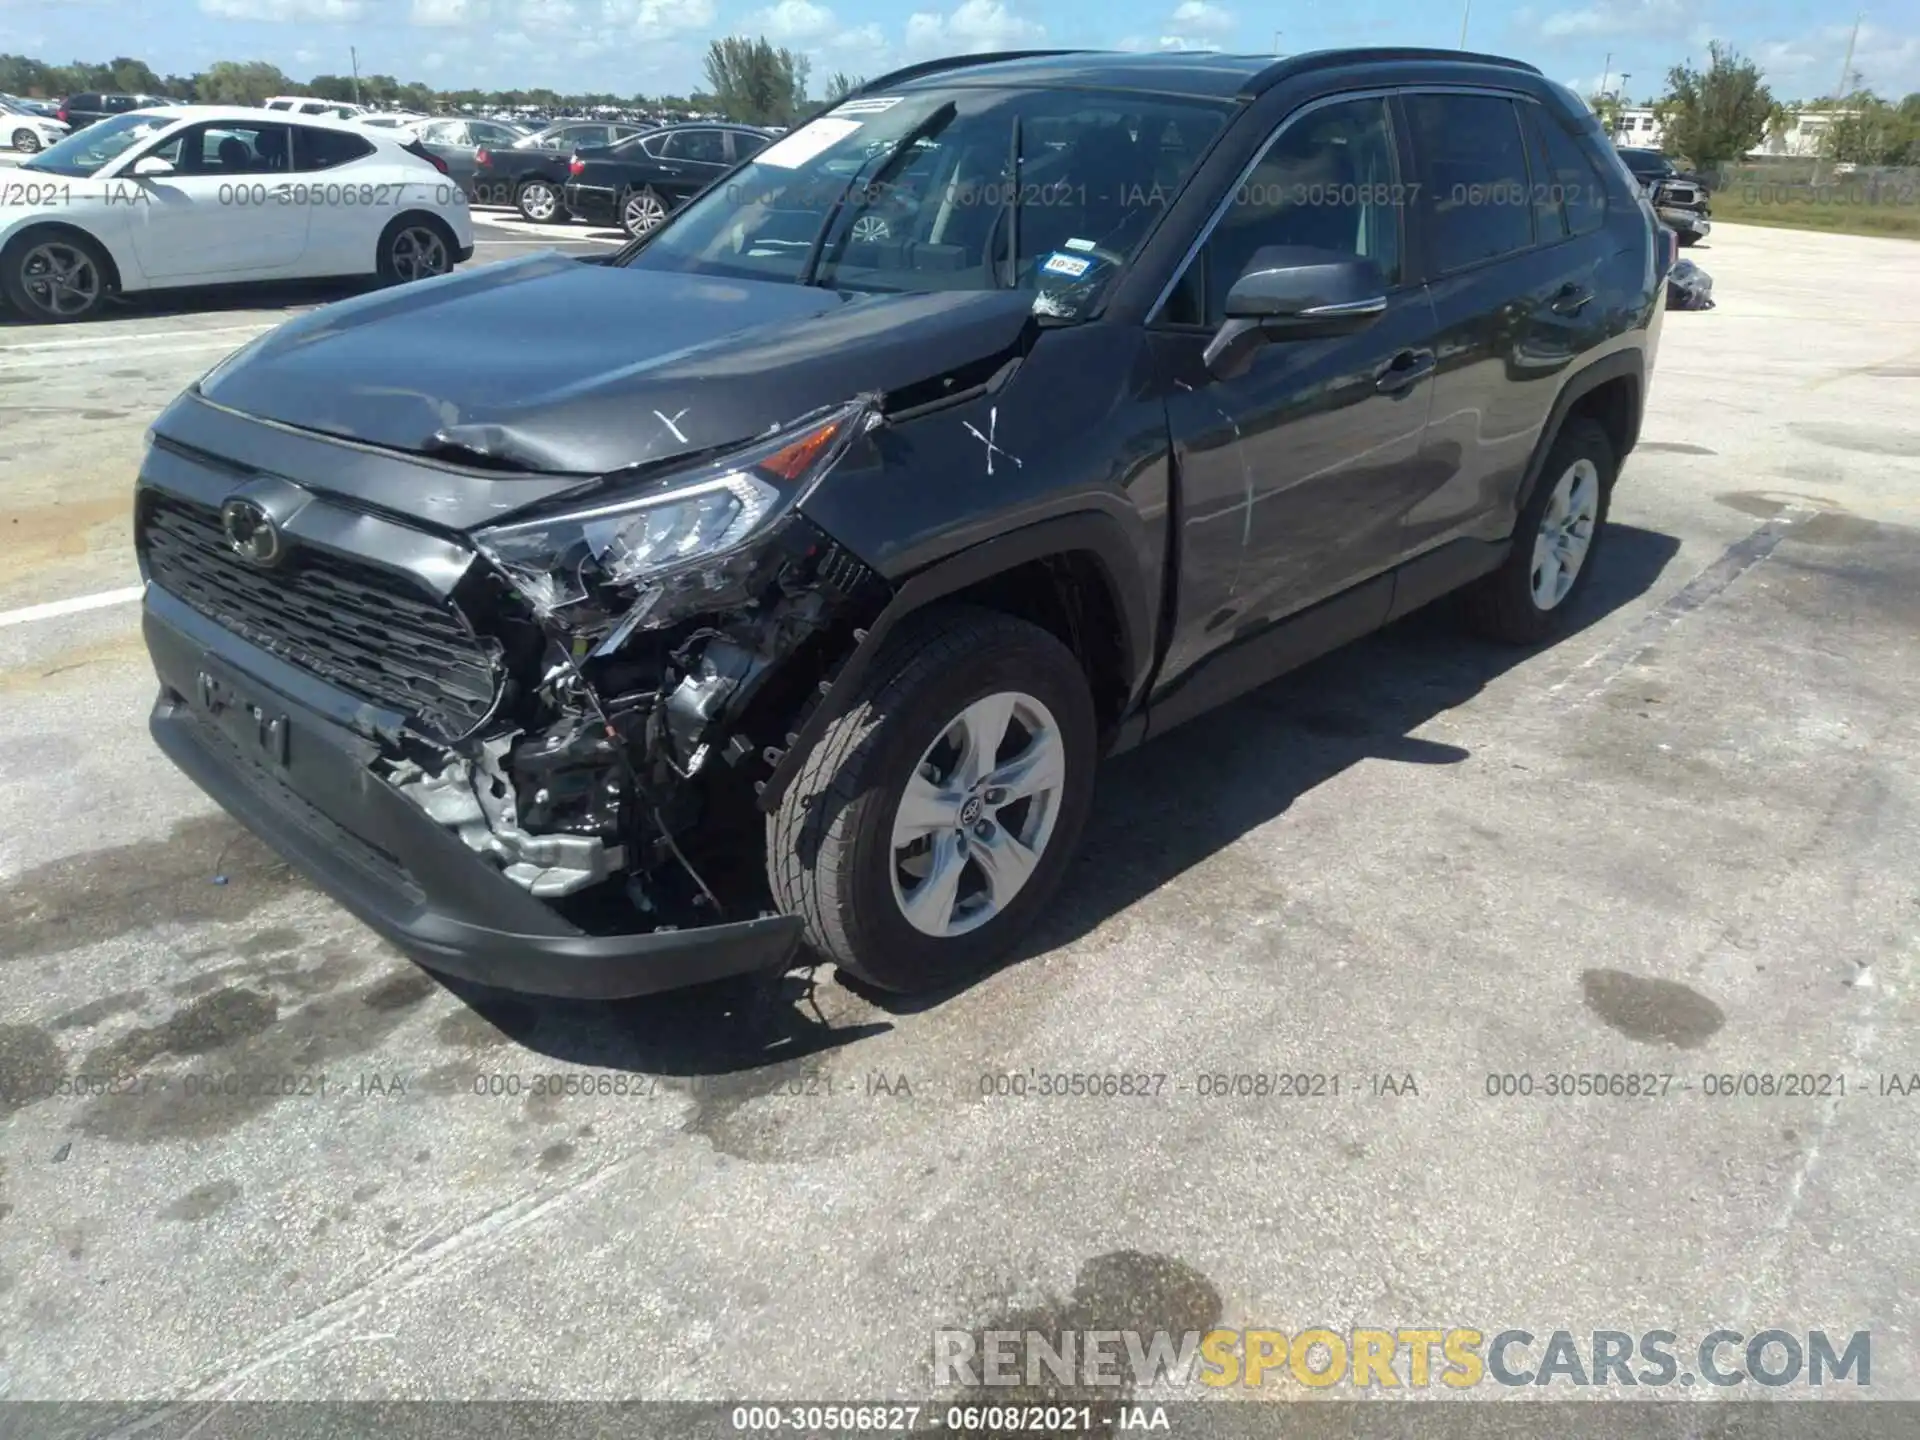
133	76
1606	109
755	82
1872	131
1718	114
228	82
843	85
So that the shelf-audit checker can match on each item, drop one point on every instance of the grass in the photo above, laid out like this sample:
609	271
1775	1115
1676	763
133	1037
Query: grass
1840	207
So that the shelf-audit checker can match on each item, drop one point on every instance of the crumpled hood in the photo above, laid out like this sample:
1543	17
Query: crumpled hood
553	365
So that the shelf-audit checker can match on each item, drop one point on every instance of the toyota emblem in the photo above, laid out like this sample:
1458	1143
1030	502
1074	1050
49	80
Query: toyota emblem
251	533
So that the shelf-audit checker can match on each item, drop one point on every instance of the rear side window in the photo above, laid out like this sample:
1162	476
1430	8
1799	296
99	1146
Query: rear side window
323	149
1475	199
706	146
746	146
1569	195
84	102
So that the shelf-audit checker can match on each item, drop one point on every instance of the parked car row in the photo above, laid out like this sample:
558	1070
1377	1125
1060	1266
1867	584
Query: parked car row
205	195
28	131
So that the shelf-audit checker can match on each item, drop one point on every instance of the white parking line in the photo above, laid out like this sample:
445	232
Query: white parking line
54	609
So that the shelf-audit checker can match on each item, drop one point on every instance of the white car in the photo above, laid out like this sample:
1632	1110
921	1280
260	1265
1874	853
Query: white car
26	132
209	195
314	105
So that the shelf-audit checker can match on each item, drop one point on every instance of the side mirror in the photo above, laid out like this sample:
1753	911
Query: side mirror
1297	293
151	165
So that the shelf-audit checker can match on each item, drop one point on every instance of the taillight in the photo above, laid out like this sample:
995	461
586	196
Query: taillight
414	147
576	165
480	156
1673	248
63	115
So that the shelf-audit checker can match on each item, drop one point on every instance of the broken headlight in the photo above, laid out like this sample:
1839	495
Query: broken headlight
686	543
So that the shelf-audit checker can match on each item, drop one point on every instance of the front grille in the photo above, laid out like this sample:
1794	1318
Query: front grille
365	629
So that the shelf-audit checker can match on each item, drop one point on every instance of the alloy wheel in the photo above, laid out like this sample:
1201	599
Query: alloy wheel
977	814
642	212
60	278
871	228
1566	532
27	142
418	253
537	201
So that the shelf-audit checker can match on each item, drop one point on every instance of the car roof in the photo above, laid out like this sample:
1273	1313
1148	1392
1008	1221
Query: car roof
1200	74
241	114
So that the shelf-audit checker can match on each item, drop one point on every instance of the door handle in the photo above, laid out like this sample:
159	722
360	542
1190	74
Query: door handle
1403	372
1572	299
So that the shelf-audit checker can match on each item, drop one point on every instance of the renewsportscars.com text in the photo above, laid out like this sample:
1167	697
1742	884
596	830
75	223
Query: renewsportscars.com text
1415	1358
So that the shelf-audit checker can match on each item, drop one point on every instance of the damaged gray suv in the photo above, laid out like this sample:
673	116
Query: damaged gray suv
597	627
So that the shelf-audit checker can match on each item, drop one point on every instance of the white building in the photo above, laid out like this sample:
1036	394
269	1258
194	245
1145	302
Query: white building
1805	133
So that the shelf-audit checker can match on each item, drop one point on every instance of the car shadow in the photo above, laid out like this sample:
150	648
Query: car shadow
211	300
1158	812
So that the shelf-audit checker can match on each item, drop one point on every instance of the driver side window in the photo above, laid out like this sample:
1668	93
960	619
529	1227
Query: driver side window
1328	180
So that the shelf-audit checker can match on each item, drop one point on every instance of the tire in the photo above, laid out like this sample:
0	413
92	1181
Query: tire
405	254
30	268
831	844
543	196
27	142
1686	238
1511	604
636	205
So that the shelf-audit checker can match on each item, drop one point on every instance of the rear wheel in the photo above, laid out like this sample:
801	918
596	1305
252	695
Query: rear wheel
27	142
415	247
641	212
54	277
935	819
1554	545
539	201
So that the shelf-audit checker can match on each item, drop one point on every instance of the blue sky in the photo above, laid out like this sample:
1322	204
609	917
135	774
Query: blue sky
656	45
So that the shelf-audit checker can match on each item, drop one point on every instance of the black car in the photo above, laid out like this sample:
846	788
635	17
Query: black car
1679	197
792	589
79	111
531	173
638	183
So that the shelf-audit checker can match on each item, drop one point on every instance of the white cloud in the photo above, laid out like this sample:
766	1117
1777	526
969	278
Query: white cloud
658	19
444	12
791	20
285	10
1807	67
1201	17
549	14
974	27
1663	18
1185	42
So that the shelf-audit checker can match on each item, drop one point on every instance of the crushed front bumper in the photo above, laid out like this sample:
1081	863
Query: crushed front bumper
265	740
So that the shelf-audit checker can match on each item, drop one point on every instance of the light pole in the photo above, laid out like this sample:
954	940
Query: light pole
1466	8
1276	41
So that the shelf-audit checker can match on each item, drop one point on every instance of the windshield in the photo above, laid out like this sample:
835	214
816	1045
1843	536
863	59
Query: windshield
911	193
88	150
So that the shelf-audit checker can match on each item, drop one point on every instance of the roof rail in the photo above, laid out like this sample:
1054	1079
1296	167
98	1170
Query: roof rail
953	62
1368	55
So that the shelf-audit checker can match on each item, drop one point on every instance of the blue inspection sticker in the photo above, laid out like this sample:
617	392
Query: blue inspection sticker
1072	266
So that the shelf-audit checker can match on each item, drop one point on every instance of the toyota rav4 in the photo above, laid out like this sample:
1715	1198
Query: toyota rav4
597	627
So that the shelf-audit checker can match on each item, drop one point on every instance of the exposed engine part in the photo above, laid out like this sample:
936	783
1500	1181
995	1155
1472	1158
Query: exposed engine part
700	698
474	798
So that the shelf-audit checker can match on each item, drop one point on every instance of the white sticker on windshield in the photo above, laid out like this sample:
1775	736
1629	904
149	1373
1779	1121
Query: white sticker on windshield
1077	244
808	141
871	105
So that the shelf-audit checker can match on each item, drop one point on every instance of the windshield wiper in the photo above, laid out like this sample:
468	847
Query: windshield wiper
887	162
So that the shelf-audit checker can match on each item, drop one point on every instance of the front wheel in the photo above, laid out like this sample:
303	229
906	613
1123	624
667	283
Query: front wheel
27	142
1555	544
54	277
642	212
935	819
415	247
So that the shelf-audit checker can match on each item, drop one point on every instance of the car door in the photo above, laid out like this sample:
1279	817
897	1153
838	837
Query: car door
689	161
218	213
1511	310
1294	472
347	205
